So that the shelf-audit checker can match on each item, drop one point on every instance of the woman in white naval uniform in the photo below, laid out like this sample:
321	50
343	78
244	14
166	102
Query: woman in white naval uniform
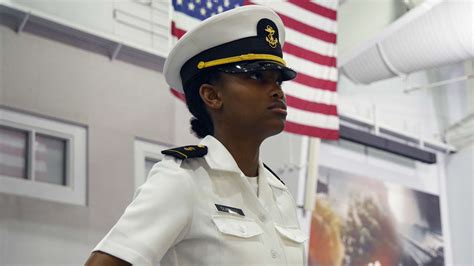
216	203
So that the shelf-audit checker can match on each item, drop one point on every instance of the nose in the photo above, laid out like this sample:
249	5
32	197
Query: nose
277	92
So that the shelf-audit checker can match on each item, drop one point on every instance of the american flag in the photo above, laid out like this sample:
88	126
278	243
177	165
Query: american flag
310	49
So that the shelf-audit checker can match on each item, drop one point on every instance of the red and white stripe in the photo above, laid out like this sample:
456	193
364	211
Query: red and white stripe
310	49
14	158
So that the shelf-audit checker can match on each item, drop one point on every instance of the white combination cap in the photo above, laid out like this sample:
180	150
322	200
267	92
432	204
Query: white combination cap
243	39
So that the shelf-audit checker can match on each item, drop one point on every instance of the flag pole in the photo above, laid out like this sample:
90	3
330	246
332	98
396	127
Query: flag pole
312	174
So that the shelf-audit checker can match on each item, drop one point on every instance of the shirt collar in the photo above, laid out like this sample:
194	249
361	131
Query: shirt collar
269	177
218	157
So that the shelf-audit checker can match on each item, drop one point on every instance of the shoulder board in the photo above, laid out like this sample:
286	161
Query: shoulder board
268	168
186	152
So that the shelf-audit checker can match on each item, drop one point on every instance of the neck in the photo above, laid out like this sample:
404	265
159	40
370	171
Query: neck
245	150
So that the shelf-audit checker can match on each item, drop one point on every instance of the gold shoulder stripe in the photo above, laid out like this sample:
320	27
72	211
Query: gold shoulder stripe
185	156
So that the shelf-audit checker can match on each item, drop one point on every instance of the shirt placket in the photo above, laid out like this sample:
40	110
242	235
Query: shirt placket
266	215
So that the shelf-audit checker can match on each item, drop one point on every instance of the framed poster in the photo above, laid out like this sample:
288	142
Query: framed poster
359	220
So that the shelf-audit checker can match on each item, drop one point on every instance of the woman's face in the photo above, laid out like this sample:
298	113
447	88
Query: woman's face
253	102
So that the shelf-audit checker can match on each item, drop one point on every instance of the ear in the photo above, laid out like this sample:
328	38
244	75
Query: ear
210	96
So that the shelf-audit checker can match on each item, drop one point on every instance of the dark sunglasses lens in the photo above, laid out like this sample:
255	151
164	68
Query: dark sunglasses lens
246	67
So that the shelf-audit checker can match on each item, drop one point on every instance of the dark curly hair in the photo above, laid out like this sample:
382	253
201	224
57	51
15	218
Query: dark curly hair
201	123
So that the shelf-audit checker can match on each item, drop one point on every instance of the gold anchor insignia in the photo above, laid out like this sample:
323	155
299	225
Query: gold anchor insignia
270	39
189	149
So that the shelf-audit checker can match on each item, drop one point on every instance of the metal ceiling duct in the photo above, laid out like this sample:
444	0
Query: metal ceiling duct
433	34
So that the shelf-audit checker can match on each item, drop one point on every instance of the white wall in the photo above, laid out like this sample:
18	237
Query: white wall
453	101
386	101
460	188
99	12
282	153
117	102
36	241
359	20
182	124
137	22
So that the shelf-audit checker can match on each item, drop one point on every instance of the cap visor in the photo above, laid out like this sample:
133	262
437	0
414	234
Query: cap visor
254	66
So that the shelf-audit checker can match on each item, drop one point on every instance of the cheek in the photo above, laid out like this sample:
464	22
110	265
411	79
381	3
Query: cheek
240	98
250	104
244	107
243	99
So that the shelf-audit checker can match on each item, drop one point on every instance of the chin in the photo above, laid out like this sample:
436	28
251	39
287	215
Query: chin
276	128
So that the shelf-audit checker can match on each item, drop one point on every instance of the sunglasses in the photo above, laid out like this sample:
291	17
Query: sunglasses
257	66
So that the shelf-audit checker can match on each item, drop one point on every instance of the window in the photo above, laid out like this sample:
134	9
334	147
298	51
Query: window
42	158
13	152
149	162
147	153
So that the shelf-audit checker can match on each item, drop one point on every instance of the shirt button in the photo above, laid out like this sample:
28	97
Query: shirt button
274	254
242	229
262	218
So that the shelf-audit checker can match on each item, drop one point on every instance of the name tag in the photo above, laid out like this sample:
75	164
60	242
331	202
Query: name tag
228	209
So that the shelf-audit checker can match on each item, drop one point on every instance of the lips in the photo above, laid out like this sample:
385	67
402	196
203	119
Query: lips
279	107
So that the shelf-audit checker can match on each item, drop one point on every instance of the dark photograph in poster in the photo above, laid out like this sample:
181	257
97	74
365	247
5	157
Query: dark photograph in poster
365	221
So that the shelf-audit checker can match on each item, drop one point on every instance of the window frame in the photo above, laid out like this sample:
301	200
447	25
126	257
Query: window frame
146	149
74	191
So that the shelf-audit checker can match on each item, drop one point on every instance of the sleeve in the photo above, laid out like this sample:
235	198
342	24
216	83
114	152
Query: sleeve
158	217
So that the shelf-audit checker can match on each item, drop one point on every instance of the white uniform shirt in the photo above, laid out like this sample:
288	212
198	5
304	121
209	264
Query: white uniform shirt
174	219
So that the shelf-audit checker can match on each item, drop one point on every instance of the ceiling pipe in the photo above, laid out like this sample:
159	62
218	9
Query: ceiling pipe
435	33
